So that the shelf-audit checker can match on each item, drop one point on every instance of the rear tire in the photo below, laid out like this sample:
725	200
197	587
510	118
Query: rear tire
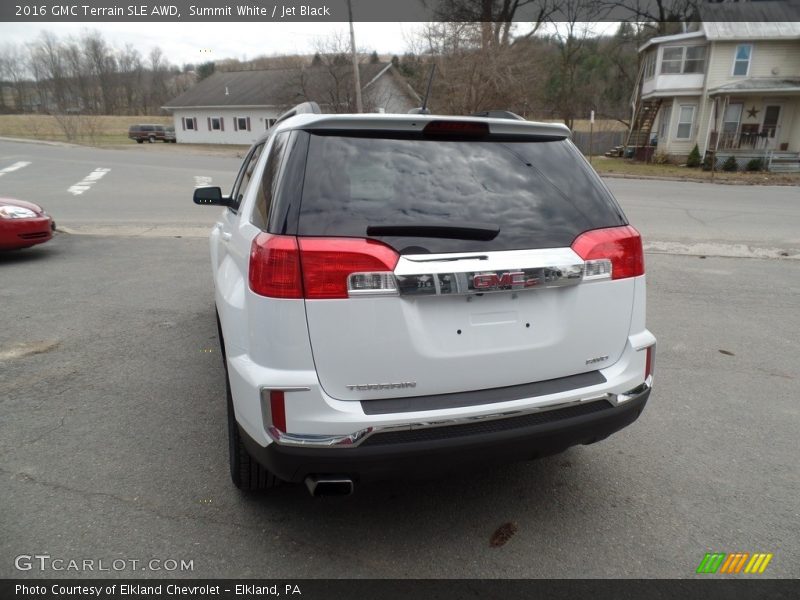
246	473
139	141
151	139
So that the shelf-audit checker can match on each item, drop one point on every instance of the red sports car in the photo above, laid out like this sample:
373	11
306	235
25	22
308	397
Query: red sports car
23	224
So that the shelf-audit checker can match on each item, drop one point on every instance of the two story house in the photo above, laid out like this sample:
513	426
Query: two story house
731	88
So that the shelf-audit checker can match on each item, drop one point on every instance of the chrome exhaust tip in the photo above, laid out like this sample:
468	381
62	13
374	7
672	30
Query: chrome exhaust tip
322	485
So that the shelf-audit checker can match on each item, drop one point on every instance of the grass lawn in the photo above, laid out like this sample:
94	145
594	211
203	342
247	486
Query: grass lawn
78	129
621	166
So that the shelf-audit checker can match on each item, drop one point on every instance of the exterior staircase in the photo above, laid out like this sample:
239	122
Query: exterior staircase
644	117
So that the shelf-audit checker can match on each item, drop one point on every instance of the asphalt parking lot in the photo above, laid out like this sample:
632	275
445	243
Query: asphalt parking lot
112	422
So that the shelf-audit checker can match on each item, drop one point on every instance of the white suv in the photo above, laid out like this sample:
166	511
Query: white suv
399	294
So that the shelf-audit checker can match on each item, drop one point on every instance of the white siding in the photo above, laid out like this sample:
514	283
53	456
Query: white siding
204	135
673	144
783	56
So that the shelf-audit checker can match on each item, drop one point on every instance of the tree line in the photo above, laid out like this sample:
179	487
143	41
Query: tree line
554	66
86	75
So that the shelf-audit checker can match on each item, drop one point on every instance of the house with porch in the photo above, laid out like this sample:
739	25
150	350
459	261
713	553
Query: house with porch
731	88
237	107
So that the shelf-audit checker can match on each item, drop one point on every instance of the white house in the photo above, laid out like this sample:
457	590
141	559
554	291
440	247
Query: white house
731	87
236	107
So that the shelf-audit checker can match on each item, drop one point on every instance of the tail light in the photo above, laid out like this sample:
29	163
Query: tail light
321	268
333	266
275	266
615	253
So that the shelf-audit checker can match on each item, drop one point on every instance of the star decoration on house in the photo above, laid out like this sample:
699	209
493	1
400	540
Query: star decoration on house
753	112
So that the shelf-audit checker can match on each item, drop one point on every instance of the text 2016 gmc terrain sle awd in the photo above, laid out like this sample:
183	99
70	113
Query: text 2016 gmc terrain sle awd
399	294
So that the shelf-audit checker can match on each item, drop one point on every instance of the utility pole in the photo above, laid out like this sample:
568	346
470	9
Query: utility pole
356	76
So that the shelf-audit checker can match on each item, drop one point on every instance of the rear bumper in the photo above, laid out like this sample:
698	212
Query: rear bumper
421	452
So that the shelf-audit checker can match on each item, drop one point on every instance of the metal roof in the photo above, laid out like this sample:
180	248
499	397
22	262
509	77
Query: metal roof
672	38
759	85
751	30
772	12
274	87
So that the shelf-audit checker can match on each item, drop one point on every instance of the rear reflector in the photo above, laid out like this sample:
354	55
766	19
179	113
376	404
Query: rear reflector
320	268
277	408
648	363
456	128
615	252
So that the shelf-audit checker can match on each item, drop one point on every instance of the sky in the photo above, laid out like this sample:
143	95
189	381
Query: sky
201	42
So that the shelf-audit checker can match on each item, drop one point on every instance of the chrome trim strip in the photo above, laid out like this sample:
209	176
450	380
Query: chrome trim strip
355	439
489	281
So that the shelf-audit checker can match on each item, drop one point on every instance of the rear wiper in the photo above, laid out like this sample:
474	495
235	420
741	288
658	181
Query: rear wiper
461	231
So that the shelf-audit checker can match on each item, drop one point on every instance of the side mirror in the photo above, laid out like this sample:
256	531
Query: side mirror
210	195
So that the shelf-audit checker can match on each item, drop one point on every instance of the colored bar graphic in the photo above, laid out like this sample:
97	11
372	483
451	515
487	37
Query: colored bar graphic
758	563
711	563
733	563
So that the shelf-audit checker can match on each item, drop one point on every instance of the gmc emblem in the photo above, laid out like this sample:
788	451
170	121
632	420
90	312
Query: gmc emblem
493	281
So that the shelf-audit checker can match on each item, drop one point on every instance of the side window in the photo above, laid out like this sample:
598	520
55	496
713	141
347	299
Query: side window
269	181
685	122
741	62
245	174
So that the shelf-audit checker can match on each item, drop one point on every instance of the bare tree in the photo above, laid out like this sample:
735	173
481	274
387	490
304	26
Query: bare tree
158	88
661	17
48	68
102	66
13	70
131	72
570	38
494	19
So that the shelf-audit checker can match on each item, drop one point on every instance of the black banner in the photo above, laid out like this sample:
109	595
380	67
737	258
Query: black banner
99	11
393	589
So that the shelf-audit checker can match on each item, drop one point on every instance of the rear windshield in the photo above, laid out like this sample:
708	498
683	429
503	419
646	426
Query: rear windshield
540	194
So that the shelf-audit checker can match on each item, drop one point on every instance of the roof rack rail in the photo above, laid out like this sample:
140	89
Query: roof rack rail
498	114
304	108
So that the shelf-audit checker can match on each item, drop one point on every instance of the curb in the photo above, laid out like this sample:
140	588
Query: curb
696	180
42	142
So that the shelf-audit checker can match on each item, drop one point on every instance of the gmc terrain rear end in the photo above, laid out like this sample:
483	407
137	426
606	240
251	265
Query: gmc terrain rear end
400	294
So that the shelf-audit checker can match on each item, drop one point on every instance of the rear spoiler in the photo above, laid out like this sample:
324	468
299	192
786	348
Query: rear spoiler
416	123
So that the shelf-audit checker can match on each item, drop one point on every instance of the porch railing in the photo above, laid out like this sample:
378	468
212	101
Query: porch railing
763	140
